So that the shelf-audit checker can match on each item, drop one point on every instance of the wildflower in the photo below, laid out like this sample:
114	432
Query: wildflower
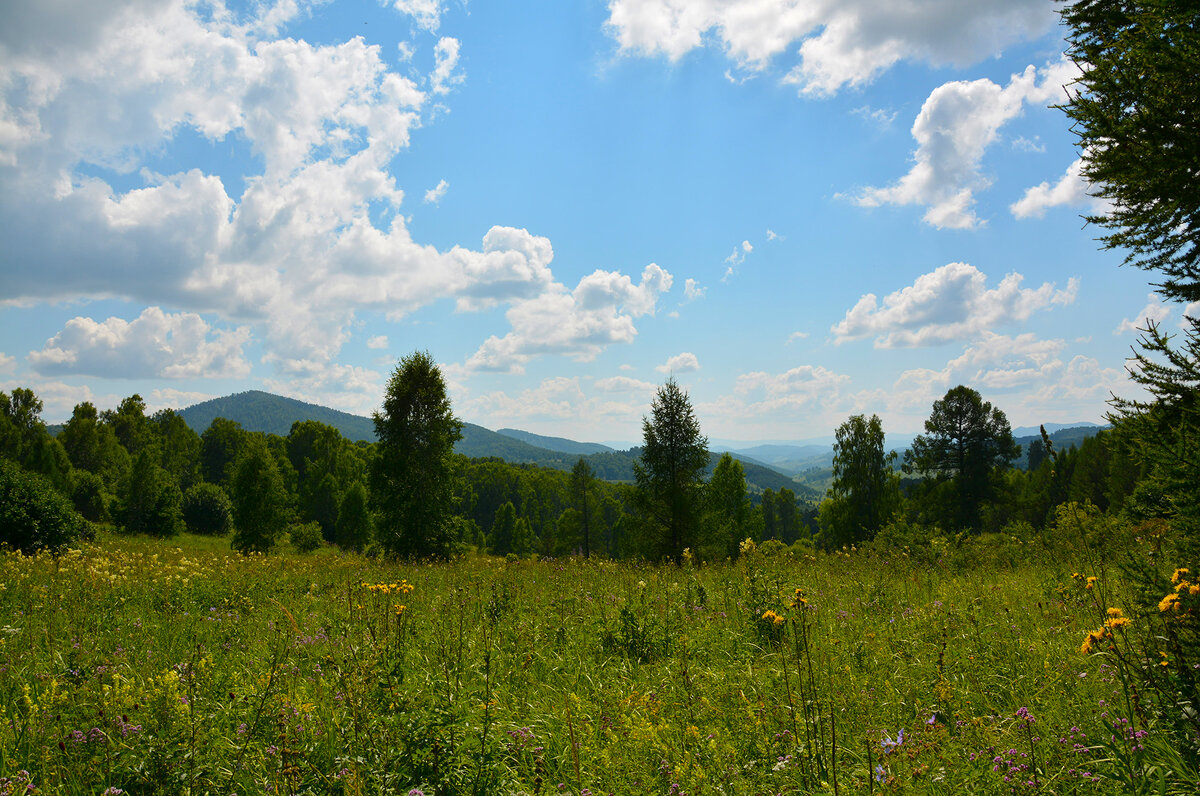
1169	603
1115	613
889	745
773	617
1178	574
880	773
1119	621
399	609
1091	581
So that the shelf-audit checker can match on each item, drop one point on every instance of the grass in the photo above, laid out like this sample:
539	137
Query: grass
141	666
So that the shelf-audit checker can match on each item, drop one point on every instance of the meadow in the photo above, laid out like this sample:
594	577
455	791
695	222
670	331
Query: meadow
140	666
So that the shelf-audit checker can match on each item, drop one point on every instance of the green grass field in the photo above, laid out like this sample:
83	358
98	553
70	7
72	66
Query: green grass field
140	666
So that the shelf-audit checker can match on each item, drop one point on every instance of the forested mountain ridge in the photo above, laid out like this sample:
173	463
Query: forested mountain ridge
274	414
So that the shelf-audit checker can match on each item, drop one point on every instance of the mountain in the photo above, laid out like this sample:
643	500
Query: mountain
556	443
1054	428
274	414
1063	438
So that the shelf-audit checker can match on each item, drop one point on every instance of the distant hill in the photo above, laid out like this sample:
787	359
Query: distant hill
1063	438
274	414
556	443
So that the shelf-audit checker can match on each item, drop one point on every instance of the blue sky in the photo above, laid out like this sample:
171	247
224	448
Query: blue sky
801	210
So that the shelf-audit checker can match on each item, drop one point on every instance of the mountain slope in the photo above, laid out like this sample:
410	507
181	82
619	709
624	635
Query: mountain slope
556	443
274	414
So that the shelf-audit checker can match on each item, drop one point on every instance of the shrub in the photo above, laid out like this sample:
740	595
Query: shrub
306	536
207	510
33	516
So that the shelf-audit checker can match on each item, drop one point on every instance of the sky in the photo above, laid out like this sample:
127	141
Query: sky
801	210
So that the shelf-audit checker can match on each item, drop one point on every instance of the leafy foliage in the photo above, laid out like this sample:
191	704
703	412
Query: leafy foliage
966	440
865	492
1134	110
150	501
261	505
33	515
207	510
412	478
668	475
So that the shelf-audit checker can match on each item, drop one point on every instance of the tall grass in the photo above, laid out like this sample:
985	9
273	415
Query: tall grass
179	667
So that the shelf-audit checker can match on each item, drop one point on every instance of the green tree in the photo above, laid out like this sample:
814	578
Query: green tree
130	424
179	447
25	440
865	492
92	446
504	523
727	510
261	510
669	472
219	447
581	489
966	440
412	480
150	501
354	530
1134	109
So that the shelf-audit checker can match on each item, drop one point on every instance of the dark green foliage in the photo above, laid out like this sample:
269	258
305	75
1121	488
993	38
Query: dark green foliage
306	536
92	446
150	502
179	446
501	538
354	530
966	441
25	440
219	446
412	480
1164	433
33	515
207	510
261	508
130	425
727	511
674	457
865	491
581	490
1134	111
89	496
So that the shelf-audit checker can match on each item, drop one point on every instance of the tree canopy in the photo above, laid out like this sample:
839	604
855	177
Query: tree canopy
412	479
674	459
1134	110
966	439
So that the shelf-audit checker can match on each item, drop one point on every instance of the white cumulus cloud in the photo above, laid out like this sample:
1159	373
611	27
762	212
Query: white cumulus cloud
581	323
837	43
435	194
1071	190
956	125
951	303
680	363
155	344
1155	311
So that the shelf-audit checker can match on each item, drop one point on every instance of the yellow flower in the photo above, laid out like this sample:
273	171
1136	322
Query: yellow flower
1119	621
1169	603
1091	581
1179	573
1115	613
773	617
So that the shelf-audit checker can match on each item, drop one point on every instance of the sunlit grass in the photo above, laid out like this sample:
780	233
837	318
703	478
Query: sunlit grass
181	666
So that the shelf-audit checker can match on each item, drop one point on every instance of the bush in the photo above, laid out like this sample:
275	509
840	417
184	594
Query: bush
207	510
33	516
306	537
